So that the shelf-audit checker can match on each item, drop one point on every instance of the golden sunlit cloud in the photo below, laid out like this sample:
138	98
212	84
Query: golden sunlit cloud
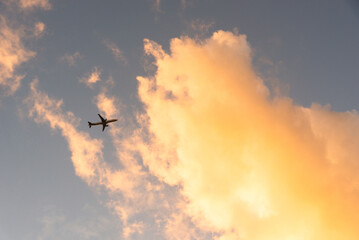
86	152
12	54
92	78
215	152
251	165
131	192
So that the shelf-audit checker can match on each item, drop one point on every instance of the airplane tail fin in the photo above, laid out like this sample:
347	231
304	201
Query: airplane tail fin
90	124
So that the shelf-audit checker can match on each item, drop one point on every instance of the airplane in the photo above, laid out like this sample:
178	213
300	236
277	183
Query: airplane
104	122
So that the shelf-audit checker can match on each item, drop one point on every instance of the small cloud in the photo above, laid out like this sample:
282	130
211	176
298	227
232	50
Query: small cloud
39	29
116	51
93	78
71	59
32	4
157	5
187	3
201	26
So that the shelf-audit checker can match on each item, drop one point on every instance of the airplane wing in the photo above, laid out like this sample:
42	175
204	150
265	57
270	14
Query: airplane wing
102	119
103	127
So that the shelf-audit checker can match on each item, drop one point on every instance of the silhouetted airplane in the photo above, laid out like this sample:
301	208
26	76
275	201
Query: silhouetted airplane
104	122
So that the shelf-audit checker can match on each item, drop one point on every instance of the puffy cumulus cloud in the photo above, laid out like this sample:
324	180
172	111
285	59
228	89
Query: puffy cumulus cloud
12	54
92	78
32	4
250	165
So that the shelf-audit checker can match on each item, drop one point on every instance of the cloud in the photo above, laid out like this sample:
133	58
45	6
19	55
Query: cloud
32	4
86	152
12	54
88	223
157	5
87	158
132	193
200	26
92	78
251	165
115	50
39	29
71	59
223	156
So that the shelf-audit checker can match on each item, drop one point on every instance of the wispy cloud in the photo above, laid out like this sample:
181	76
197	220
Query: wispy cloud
12	54
157	5
92	78
247	162
115	50
86	152
71	59
133	193
32	4
200	26
89	224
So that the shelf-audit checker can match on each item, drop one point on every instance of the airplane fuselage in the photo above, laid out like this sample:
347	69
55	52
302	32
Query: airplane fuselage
104	122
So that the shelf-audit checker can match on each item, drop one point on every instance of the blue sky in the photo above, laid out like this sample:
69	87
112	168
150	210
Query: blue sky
307	49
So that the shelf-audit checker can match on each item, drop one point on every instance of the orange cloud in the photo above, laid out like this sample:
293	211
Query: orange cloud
251	165
12	54
93	78
131	190
86	152
107	105
218	152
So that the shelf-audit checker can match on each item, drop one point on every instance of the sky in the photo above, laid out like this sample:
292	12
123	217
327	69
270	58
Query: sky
236	119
